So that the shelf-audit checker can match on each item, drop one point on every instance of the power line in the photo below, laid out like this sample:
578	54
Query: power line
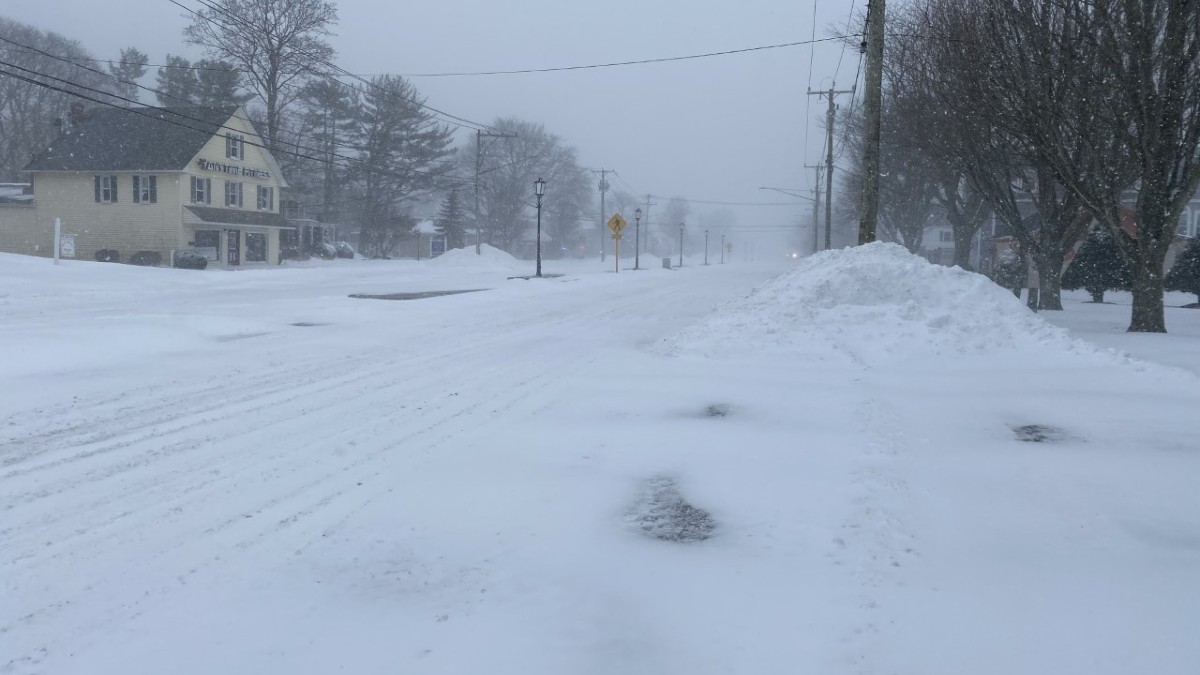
720	203
812	51
615	64
142	112
847	32
449	118
161	95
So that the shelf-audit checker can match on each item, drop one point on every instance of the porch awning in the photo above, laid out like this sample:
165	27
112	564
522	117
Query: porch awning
211	215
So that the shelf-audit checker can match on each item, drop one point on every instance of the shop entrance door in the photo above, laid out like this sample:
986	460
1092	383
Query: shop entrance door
233	244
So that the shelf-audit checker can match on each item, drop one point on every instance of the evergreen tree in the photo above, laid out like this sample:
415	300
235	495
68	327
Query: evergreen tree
1185	274
218	84
176	82
400	147
127	71
1098	267
213	84
1010	271
451	221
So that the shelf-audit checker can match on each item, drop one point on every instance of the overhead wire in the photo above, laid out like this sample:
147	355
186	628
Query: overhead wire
449	118
635	62
142	111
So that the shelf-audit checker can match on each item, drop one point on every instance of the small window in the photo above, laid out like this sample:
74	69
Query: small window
235	146
256	247
947	237
266	198
201	190
145	189
105	189
233	194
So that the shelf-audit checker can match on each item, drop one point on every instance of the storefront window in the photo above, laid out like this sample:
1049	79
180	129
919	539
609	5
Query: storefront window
256	247
207	242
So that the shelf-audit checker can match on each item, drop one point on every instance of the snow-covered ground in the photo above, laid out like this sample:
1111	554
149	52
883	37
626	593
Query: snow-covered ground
860	463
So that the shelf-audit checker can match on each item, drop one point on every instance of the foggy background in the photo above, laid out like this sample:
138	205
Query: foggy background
710	129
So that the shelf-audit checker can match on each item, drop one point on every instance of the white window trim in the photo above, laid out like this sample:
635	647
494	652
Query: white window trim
205	191
231	191
144	189
108	185
235	146
269	192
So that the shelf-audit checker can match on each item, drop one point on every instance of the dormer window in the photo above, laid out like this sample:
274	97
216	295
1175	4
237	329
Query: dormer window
235	146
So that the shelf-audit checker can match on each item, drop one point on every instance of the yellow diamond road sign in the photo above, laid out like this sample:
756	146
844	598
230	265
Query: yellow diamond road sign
617	223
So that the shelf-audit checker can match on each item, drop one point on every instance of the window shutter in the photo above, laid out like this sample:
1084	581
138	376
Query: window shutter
207	190
270	199
153	189
112	180
137	189
228	145
96	183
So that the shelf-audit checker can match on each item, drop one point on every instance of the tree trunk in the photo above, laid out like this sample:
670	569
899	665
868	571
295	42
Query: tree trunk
962	248
1097	295
1050	282
1148	315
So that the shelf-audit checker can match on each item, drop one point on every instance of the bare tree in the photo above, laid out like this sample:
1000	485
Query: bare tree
36	91
510	167
909	177
1149	53
278	44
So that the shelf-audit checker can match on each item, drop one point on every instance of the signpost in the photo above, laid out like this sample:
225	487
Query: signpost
617	223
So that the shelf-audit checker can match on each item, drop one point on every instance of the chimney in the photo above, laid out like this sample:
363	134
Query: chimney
76	115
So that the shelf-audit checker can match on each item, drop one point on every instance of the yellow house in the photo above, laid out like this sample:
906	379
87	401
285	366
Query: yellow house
154	181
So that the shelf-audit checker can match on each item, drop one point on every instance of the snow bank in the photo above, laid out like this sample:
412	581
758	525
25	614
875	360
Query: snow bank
872	304
489	259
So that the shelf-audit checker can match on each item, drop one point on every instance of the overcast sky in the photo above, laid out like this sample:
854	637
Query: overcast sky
708	129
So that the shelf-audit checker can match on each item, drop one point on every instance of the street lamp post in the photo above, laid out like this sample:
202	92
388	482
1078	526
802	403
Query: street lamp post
706	247
637	238
539	189
722	249
681	244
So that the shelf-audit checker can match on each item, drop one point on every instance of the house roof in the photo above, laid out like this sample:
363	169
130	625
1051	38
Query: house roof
133	139
214	215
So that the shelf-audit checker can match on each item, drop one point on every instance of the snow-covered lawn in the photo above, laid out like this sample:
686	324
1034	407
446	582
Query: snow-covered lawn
860	463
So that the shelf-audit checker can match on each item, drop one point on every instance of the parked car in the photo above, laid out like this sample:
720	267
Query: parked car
344	250
190	260
108	255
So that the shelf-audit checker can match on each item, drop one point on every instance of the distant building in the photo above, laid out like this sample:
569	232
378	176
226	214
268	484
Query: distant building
157	180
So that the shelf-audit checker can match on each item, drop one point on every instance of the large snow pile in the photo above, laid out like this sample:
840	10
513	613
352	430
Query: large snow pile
488	259
871	304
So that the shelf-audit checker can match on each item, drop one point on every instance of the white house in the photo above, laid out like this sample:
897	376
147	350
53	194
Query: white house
154	180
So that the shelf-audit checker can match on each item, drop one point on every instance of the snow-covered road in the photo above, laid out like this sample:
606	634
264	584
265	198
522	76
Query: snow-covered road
254	473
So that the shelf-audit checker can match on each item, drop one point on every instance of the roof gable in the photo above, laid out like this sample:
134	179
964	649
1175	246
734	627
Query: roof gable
133	139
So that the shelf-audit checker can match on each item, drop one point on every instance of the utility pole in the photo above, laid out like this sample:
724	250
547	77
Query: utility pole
872	46
603	189
681	244
816	217
829	117
479	134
